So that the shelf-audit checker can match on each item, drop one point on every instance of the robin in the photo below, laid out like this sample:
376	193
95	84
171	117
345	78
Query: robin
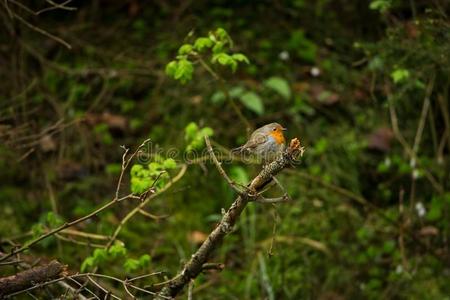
266	142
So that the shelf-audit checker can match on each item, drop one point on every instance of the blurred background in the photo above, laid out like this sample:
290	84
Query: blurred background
363	84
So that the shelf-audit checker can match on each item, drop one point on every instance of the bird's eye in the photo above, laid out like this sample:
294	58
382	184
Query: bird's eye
274	129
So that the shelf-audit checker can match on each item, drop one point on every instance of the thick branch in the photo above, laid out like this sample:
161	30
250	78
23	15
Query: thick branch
31	277
195	265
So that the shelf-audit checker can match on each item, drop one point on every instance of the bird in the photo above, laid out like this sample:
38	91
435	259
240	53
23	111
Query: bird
266	143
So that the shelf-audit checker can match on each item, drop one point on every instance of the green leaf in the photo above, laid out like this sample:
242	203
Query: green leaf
169	163
202	43
279	85
399	75
117	250
37	229
236	91
224	60
184	71
100	255
190	131
89	262
218	47
113	169
302	46
206	131
53	219
171	68
218	97
195	138
240	57
136	170
253	102
144	260
185	49
380	5
389	246
239	175
376	64
221	34
131	265
435	211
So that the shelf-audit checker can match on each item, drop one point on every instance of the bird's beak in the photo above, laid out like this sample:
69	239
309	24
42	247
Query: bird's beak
284	128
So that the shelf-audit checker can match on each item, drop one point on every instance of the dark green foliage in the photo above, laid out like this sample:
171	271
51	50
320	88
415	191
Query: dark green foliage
371	201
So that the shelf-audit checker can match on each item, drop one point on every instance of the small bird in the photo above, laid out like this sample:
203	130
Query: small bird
266	142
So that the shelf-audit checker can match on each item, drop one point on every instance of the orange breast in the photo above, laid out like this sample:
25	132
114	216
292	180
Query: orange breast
278	136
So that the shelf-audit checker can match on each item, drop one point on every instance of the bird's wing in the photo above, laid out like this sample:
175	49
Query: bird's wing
256	139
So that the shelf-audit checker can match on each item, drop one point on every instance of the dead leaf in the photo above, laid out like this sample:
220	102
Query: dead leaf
428	230
381	139
320	94
113	121
196	99
197	237
330	295
70	170
47	143
412	30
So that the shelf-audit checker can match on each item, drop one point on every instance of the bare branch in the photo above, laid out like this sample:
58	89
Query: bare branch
54	6
284	198
42	31
29	278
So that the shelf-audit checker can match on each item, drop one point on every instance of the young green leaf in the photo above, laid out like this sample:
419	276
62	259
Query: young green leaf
253	102
171	68
280	86
184	71
240	58
185	49
203	43
236	91
399	75
225	60
218	97
89	262
169	163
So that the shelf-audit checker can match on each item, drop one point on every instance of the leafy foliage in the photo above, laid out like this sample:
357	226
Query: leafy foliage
218	42
195	136
155	174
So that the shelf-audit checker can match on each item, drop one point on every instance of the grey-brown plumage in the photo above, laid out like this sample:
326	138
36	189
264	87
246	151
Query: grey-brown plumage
265	142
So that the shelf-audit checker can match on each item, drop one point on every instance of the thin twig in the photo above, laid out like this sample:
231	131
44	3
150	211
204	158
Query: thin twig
144	276
42	31
125	286
261	199
222	172
152	216
109	293
54	6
